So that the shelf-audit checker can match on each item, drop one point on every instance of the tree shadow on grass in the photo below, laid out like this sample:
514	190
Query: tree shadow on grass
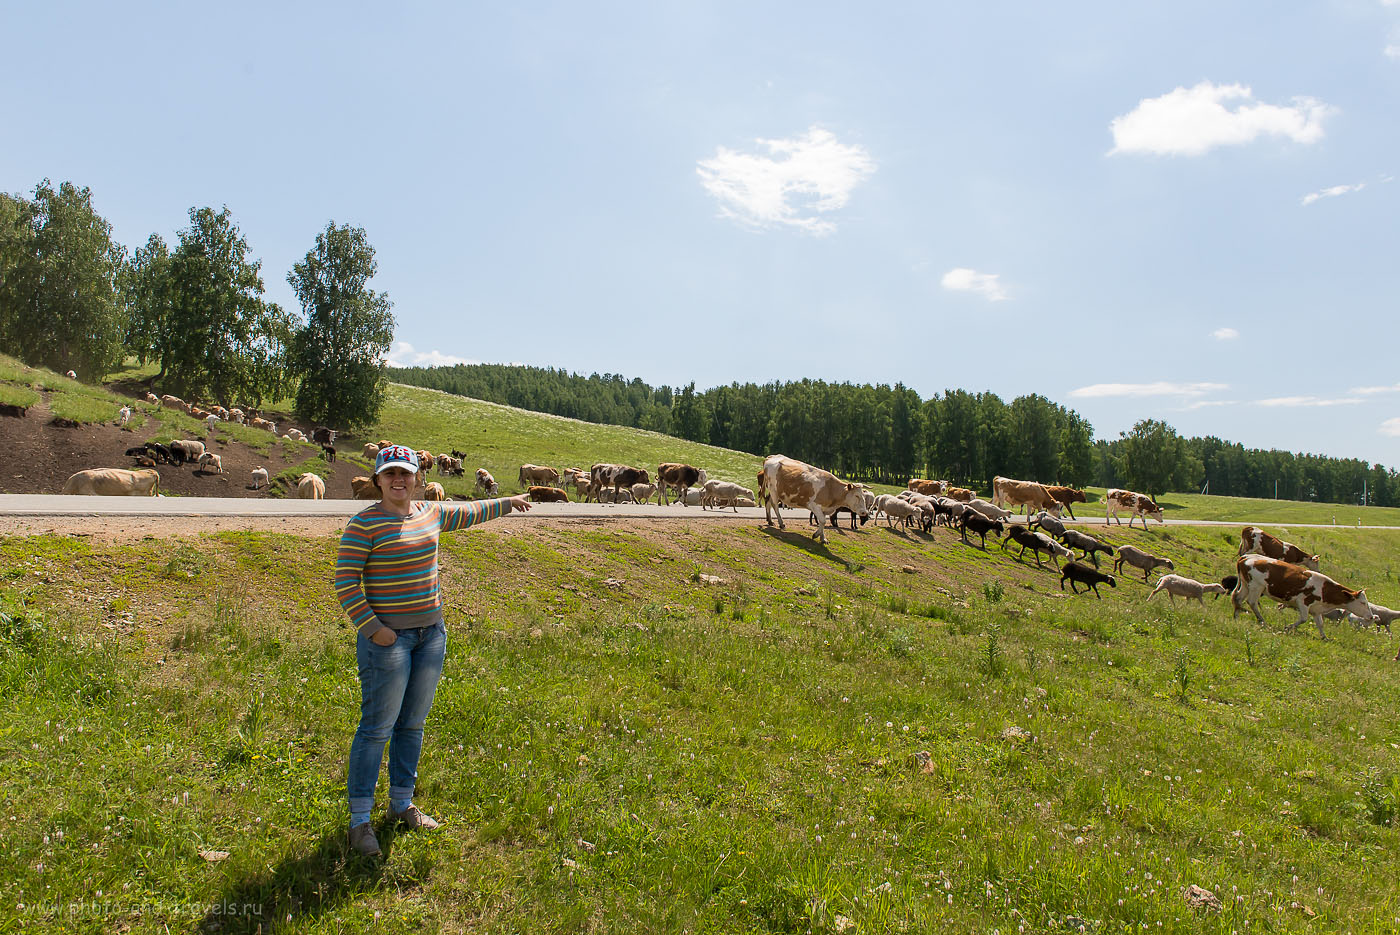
806	543
311	885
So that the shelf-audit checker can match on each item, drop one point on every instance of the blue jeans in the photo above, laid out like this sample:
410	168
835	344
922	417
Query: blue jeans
397	684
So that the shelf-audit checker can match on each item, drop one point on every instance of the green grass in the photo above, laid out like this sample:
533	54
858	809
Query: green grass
84	408
665	755
13	395
501	439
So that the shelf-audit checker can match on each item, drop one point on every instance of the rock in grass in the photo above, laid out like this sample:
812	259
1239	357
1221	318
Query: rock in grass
1017	734
1198	897
214	856
711	579
923	761
909	569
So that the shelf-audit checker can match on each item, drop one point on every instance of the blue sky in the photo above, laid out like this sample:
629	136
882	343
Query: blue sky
1173	210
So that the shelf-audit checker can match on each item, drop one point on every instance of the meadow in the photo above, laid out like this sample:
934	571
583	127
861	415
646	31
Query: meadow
896	733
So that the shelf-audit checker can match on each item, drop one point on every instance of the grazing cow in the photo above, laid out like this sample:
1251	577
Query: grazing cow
486	485
1311	592
311	487
1134	504
1083	574
174	402
1139	559
989	510
434	491
425	462
960	494
537	475
210	460
1086	543
260	423
200	414
680	478
979	524
1023	493
323	436
237	415
1188	588
363	488
370	451
260	478
800	485
547	495
1067	496
929	488
1253	539
616	476
113	482
219	411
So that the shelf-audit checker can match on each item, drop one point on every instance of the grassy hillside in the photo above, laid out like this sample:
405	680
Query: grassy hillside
501	438
619	747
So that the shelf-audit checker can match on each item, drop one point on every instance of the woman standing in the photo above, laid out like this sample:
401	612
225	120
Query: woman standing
386	575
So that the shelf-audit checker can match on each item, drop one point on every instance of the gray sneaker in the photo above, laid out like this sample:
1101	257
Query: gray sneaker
363	841
413	819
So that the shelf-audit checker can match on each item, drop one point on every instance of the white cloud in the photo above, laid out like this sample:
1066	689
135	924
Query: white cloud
1373	390
1390	426
1224	334
403	355
1392	49
969	280
1192	121
1208	403
1332	192
1161	388
1308	401
794	184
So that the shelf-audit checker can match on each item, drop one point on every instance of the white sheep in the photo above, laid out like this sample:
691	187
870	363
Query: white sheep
209	459
259	477
1188	588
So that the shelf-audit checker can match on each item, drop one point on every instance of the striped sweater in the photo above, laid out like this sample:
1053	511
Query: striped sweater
386	570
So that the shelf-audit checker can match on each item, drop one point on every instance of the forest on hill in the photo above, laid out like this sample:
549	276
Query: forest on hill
887	434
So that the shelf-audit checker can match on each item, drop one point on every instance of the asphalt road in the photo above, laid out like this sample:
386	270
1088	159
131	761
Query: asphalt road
39	505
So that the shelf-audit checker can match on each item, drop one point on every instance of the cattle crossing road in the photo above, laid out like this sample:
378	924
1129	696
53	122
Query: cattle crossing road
35	506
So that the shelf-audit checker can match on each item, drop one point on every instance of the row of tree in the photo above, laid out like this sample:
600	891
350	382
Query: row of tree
73	299
888	433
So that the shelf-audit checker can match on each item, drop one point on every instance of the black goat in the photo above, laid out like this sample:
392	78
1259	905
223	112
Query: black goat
1090	546
1083	574
979	524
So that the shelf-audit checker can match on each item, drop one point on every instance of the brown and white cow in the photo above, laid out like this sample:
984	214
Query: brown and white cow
929	488
960	494
1253	539
1134	504
797	484
1067	496
486	485
619	477
1027	493
678	477
1311	592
